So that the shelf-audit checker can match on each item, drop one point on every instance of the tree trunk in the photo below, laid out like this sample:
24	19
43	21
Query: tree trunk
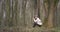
51	13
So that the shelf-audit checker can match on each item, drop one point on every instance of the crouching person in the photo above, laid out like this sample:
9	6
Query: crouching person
37	22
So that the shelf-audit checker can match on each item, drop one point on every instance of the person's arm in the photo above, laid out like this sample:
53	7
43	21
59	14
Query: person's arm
34	19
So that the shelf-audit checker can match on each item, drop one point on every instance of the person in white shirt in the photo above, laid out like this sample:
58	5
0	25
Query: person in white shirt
37	22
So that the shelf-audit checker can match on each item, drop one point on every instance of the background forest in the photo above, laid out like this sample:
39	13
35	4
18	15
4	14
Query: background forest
17	15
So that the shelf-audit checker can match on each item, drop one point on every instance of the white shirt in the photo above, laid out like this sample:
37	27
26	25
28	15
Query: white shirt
38	21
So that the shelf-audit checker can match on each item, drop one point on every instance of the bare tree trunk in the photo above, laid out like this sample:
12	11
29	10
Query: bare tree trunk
50	10
57	15
42	10
51	14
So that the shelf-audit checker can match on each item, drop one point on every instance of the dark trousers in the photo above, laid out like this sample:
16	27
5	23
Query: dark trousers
35	24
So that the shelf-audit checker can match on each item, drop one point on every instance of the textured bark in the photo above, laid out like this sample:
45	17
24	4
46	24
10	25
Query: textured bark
42	10
57	14
50	8
1	14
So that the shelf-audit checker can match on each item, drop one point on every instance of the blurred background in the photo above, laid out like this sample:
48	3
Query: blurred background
17	15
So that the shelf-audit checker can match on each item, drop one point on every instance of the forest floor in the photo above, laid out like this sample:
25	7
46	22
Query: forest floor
29	29
42	29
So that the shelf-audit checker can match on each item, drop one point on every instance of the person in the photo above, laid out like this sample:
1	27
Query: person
37	21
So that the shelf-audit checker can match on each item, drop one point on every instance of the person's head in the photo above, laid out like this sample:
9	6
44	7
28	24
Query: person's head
36	17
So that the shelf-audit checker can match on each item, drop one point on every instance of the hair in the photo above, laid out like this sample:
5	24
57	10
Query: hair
35	16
